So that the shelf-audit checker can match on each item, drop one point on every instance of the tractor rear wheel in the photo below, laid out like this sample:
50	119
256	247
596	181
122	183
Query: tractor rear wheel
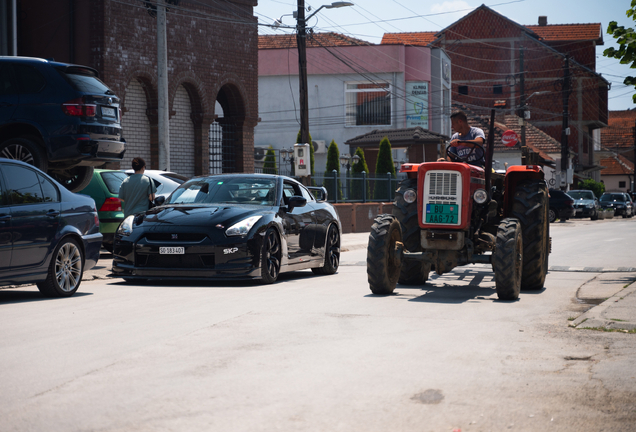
530	205
413	272
507	259
383	264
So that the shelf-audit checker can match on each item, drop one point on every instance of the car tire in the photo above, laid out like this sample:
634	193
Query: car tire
413	272
383	266
332	253
594	215
65	271
74	179
552	215
530	207
507	259
271	253
25	149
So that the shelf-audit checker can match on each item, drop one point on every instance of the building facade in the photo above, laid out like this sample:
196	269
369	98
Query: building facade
354	87
212	72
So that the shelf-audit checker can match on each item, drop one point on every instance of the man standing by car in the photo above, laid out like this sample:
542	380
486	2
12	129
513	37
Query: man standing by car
469	150
137	191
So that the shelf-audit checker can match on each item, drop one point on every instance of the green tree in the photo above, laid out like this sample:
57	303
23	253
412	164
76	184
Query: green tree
311	154
626	39
269	165
333	163
356	174
597	187
384	165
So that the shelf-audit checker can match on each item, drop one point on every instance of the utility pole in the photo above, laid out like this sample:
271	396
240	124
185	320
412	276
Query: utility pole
565	130
301	42
522	113
162	88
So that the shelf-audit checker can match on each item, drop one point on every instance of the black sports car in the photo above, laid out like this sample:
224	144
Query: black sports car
230	226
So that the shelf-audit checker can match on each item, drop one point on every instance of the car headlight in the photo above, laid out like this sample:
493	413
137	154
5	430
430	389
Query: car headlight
410	196
243	227
126	227
480	196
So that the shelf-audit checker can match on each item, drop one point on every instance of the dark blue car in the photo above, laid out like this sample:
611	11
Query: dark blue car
48	235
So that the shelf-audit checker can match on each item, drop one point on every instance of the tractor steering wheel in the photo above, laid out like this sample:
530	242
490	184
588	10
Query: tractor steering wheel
457	158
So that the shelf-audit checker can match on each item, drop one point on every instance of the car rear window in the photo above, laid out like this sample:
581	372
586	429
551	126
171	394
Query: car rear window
85	83
613	197
113	181
177	178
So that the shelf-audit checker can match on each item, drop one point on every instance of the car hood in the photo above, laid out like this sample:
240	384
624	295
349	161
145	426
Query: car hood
200	216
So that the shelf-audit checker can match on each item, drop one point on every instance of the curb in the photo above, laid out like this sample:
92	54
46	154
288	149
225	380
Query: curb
594	319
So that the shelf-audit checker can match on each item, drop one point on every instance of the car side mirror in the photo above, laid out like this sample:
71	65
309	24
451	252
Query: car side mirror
297	201
160	200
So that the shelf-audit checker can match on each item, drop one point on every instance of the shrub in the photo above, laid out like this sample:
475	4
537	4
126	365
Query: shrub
333	163
269	165
384	165
589	184
356	173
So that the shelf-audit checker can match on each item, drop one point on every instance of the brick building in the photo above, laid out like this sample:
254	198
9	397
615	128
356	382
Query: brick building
496	61
212	72
620	137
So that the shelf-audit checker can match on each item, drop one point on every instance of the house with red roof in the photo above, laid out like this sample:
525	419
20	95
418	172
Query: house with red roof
498	62
617	174
354	87
620	136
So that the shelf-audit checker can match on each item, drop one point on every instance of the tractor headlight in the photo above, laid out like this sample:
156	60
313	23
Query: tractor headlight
126	227
480	196
410	196
243	227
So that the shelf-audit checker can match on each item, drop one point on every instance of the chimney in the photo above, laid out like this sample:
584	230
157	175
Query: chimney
543	20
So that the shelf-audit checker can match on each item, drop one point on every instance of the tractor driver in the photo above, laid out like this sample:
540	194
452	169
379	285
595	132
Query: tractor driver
467	150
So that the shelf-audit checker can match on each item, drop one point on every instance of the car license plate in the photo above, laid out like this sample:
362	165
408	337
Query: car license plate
171	250
108	112
442	213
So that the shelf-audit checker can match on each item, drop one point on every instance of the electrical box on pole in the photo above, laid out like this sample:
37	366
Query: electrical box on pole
302	162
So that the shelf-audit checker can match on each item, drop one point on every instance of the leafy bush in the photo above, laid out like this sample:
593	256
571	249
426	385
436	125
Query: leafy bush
589	184
269	165
356	172
384	165
333	163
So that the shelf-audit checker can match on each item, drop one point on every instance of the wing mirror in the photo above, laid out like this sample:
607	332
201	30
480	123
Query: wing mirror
297	201
160	200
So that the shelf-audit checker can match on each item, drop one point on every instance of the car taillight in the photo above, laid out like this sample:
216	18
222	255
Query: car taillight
77	107
111	204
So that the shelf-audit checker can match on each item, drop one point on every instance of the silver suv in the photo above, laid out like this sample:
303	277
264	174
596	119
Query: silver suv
585	203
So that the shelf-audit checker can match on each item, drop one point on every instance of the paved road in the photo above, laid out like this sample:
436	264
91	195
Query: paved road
313	354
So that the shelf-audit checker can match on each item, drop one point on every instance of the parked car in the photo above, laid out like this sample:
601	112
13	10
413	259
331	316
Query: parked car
246	226
104	189
165	181
561	205
59	117
585	203
620	202
48	235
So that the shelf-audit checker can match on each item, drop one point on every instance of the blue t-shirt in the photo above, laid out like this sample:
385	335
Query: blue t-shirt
477	156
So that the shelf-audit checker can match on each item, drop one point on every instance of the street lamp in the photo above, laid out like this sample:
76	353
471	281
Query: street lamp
302	65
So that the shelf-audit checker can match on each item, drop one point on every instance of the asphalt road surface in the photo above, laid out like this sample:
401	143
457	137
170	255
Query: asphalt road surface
322	353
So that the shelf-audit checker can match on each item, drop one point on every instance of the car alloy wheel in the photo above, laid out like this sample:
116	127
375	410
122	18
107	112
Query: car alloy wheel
270	256
68	267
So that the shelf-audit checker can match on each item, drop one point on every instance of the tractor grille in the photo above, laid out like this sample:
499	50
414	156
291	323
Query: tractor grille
442	198
441	185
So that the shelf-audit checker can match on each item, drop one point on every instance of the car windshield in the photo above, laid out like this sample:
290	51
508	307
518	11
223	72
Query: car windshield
177	178
215	190
582	195
612	197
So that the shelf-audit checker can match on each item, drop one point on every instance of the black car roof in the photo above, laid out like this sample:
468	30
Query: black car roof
37	60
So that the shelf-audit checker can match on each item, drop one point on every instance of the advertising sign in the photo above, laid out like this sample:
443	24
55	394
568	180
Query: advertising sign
417	104
509	138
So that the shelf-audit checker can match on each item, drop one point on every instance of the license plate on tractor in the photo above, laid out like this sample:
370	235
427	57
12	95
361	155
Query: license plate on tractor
442	213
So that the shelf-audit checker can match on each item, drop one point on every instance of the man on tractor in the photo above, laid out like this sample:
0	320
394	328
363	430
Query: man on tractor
467	143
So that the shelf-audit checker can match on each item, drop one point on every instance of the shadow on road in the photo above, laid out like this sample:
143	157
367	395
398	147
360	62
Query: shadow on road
17	295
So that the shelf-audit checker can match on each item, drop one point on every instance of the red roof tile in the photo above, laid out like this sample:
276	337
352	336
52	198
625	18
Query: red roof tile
314	40
617	165
620	133
416	39
568	32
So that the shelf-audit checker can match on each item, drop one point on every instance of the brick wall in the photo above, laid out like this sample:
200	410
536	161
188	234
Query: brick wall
135	125
182	135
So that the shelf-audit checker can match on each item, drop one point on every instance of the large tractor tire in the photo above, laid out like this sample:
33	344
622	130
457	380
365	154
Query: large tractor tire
507	259
413	272
383	266
530	206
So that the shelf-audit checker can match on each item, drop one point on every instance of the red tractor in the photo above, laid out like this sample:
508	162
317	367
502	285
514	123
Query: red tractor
449	214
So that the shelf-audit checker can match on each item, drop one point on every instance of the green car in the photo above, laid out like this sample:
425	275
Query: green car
104	189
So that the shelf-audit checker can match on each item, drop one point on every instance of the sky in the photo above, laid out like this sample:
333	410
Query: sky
370	19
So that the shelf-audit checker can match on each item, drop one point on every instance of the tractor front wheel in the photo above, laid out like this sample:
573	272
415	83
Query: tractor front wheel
507	259
383	263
